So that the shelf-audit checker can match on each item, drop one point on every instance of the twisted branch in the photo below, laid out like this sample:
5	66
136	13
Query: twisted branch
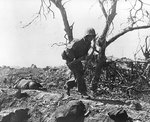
42	10
135	16
59	44
124	32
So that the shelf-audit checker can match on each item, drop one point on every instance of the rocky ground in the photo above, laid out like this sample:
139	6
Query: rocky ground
54	105
40	106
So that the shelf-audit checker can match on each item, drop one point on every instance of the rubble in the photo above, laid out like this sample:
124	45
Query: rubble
122	81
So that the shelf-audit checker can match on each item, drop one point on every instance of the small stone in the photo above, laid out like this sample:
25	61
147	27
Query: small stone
136	106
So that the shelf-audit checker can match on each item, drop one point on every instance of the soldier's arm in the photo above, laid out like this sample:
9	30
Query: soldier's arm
92	49
89	55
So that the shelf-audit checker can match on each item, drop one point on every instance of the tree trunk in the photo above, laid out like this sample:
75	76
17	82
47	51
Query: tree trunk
98	71
68	28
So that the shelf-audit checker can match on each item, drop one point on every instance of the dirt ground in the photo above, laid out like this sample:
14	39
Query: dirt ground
39	106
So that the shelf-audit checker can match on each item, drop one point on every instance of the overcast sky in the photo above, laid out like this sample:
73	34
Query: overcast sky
32	45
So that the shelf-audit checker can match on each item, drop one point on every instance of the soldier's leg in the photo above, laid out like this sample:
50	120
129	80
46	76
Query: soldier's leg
73	71
77	69
80	78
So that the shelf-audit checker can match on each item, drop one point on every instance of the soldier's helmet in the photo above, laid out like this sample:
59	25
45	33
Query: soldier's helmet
90	31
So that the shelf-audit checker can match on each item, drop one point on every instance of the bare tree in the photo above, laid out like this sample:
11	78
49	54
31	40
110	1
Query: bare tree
68	28
138	19
135	24
45	7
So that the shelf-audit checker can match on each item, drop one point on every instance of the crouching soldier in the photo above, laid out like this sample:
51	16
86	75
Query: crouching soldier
74	53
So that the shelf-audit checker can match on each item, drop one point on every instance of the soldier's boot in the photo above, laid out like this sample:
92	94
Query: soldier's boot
70	84
85	95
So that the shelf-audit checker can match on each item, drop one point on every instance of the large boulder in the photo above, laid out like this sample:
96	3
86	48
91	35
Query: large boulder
74	111
14	115
119	115
27	84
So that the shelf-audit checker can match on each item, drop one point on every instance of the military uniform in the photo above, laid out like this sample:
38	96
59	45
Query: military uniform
76	50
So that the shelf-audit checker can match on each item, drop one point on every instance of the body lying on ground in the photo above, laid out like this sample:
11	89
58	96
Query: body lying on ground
28	84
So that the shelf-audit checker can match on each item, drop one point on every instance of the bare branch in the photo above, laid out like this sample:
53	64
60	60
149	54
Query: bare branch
66	2
44	7
67	29
144	2
36	17
65	36
140	8
33	20
124	32
113	12
111	29
137	51
146	52
50	10
138	13
103	8
110	18
59	44
41	12
142	49
146	47
71	27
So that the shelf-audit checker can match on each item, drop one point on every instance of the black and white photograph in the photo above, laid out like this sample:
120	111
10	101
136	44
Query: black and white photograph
74	61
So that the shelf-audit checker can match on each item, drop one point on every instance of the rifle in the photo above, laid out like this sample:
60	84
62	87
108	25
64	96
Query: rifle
76	60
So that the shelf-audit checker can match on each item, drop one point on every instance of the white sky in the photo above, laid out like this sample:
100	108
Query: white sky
32	45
